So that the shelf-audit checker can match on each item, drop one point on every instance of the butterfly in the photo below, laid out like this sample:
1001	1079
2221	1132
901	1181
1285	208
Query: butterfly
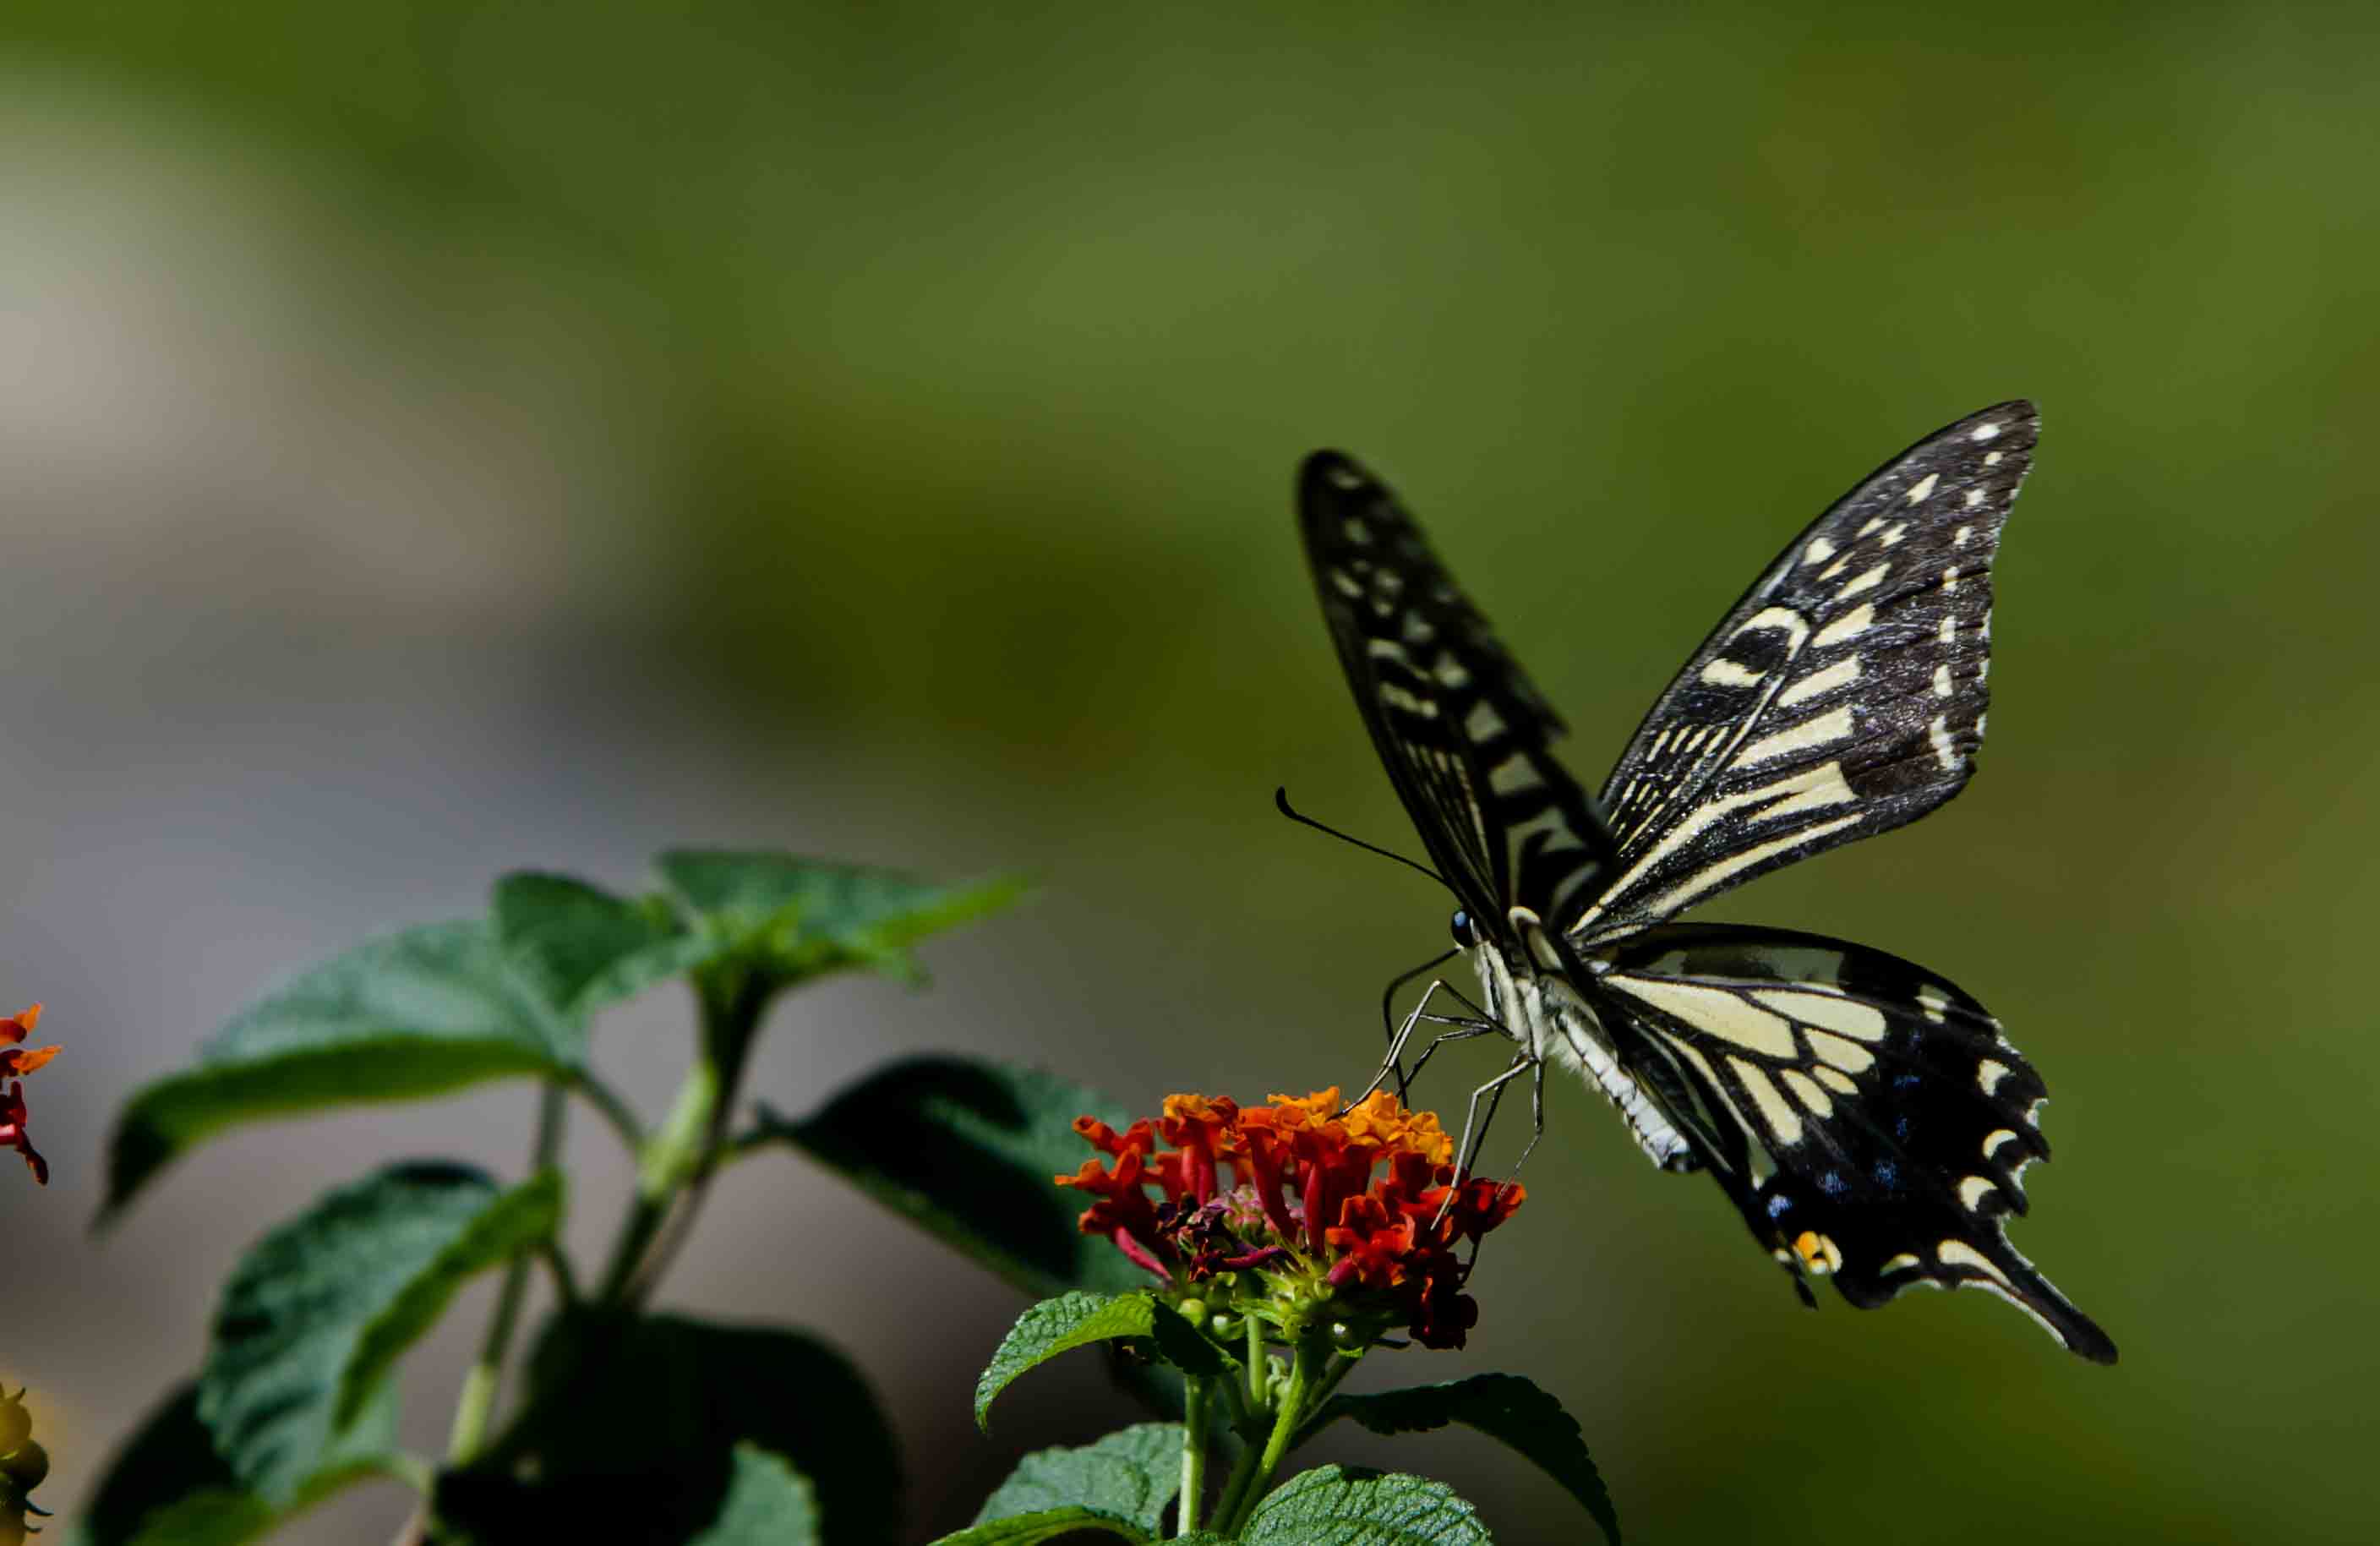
1866	1117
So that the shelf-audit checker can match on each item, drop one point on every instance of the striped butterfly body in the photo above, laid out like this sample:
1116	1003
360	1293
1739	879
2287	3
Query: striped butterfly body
1866	1117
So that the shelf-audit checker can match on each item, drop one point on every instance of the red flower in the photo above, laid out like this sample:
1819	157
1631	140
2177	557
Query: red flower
13	1062
1302	1214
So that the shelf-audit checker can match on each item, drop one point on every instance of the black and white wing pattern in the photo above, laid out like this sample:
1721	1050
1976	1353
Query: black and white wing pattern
1462	733
1867	1117
1842	696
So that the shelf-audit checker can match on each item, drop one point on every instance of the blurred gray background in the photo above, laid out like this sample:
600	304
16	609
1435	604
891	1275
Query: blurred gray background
436	439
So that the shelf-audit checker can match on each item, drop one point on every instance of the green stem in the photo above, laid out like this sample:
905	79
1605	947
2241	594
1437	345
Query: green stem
1236	1486
1289	1415
1341	1366
675	1166
1258	1365
1194	1452
478	1401
615	1109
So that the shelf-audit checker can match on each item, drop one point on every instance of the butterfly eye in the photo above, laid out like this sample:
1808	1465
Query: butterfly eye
1464	935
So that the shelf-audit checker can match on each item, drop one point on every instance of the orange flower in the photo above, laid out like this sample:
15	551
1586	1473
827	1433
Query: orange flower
15	1029
1304	1214
13	1062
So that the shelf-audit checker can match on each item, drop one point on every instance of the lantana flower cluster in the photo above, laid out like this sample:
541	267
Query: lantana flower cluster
1278	1212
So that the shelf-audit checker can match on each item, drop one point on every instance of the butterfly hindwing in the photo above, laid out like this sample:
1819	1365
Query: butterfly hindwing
1842	696
1464	734
1866	1117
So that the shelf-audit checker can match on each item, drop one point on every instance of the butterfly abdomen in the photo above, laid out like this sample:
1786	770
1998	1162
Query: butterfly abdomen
1549	1019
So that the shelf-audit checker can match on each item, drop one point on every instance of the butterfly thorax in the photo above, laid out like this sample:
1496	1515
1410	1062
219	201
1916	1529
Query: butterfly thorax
1533	998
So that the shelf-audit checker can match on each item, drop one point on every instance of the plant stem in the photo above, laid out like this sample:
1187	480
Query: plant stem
676	1165
478	1401
1341	1365
1194	1453
615	1109
1236	1486
1289	1415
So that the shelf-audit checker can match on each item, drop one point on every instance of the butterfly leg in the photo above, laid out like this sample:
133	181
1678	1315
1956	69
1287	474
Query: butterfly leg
1393	1064
1467	1151
1465	1030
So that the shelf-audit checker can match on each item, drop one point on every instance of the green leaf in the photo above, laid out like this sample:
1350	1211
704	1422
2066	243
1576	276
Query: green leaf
1334	1505
169	1487
1078	1319
1131	1475
1049	1524
768	1504
414	1014
969	1150
1503	1407
318	1311
586	948
636	1428
806	916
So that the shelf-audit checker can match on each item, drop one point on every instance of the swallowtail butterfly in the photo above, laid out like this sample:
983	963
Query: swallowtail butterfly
1866	1117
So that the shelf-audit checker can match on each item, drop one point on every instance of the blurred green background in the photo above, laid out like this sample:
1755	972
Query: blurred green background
435	438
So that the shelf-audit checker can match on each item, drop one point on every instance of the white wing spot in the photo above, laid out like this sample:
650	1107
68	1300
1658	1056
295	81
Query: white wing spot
1898	1263
1972	1190
1957	1253
1974	497
1942	678
1345	583
1871	526
1835	1079
1849	625
1387	649
1991	458
1396	697
1512	775
1924	489
1841	673
1949	579
1986	432
1994	1139
1867	581
1418	630
1837	566
1450	671
1988	1075
1346	478
1818	552
1844	1016
1483	723
1893	533
1357	532
1784	1124
1715	1011
1805	1089
1725	672
1938	732
1835	725
1847	1056
1949	629
1964	532
1931	999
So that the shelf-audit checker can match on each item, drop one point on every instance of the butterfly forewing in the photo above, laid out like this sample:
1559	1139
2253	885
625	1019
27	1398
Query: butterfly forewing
1462	731
1867	1117
1842	696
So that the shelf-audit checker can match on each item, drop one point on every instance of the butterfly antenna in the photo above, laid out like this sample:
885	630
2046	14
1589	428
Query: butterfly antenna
1280	802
